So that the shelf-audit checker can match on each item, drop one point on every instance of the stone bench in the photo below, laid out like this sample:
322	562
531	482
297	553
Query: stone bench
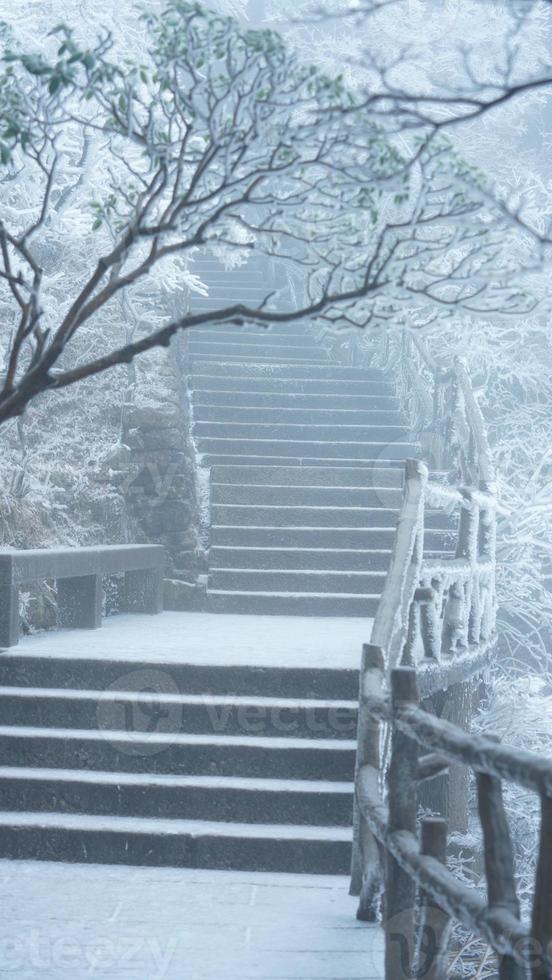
78	573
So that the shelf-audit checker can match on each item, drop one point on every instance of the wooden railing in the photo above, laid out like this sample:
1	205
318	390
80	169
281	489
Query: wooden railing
421	895
437	616
440	402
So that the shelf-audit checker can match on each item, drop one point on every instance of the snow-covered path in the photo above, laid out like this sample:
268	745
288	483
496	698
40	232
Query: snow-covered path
210	638
72	922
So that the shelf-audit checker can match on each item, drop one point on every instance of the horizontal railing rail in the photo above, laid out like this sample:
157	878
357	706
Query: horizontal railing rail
78	573
421	895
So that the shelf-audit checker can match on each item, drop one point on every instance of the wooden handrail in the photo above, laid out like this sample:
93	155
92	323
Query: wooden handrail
524	949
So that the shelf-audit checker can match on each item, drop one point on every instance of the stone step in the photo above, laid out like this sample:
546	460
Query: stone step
295	416
241	348
175	843
359	476
307	448
316	537
245	800
226	381
307	496
277	335
244	515
133	710
287	604
294	558
279	358
202	680
174	753
299	432
253	460
287	372
243	399
285	581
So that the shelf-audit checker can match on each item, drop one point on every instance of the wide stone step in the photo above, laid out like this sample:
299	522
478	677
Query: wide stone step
209	460
306	496
243	515
279	358
294	432
305	449
316	558
278	335
134	711
287	604
295	416
241	348
323	372
227	382
175	843
361	477
317	537
214	679
174	753
242	800
289	581
255	401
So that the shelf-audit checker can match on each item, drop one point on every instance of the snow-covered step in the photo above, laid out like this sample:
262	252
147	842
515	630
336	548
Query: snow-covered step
310	496
290	400
175	843
292	603
302	517
291	581
277	335
245	800
357	477
286	372
295	416
213	677
241	348
209	460
305	449
360	559
206	714
316	537
177	753
229	379
299	431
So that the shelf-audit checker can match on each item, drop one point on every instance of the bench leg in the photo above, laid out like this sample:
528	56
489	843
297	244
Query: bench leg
80	602
9	610
144	590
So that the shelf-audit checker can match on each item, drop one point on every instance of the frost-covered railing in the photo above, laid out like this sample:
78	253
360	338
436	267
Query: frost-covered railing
440	402
436	615
439	614
421	894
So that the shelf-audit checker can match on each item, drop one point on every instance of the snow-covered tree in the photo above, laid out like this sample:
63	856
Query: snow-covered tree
117	169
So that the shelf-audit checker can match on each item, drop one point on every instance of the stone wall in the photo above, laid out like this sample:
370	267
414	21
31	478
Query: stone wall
162	489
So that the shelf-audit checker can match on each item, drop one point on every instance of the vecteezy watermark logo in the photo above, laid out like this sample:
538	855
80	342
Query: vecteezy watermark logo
138	709
98	957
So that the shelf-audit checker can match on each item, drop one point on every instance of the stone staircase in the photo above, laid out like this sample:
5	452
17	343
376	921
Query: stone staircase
96	768
114	757
304	461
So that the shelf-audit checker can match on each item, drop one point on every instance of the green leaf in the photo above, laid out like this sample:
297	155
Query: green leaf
97	224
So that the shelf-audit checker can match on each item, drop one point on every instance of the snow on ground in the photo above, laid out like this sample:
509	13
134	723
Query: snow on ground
209	638
72	922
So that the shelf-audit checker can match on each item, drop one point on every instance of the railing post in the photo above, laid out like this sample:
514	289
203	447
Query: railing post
499	860
431	962
366	871
400	891
542	907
